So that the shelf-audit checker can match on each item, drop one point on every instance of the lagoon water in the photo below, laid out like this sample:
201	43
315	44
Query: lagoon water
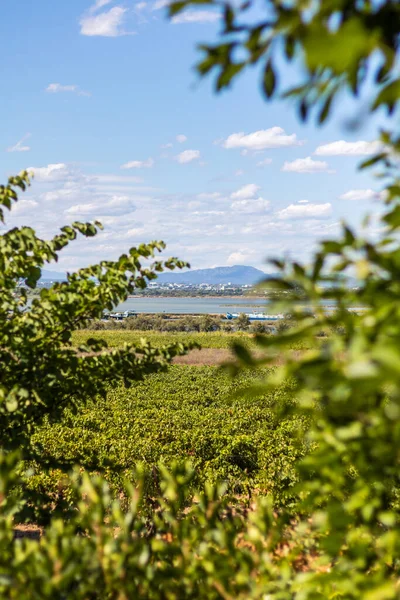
186	306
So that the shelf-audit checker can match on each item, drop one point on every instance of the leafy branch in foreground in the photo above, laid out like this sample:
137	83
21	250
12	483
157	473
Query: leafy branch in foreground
41	373
106	552
340	45
349	386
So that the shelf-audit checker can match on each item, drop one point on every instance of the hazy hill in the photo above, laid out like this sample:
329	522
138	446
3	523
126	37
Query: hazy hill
238	274
53	275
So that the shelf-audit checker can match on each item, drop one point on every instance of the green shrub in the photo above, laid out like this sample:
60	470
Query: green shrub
242	323
261	327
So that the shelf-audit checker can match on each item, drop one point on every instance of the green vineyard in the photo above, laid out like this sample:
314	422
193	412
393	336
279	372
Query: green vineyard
188	413
210	339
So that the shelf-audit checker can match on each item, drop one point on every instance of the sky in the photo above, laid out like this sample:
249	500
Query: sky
102	103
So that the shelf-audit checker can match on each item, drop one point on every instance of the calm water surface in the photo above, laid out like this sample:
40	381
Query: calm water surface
186	306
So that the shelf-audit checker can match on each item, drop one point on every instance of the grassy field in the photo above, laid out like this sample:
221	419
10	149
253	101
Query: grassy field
215	346
188	413
115	339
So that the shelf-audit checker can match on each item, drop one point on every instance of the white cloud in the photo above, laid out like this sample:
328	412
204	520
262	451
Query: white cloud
159	4
117	179
141	9
24	207
56	88
306	211
100	4
117	205
275	137
181	138
240	257
306	165
165	146
209	212
135	231
106	24
59	195
139	164
265	162
187	156
343	148
54	172
19	146
209	196
251	205
303	202
194	204
360	195
246	192
198	16
197	225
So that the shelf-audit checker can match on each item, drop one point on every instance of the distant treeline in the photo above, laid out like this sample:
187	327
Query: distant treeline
201	323
202	293
187	323
191	293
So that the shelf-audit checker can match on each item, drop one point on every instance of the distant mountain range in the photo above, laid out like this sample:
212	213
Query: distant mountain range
238	274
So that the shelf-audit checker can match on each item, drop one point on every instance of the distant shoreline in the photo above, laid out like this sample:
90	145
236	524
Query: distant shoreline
197	297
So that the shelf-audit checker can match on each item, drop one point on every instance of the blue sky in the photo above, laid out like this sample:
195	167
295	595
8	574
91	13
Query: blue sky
103	104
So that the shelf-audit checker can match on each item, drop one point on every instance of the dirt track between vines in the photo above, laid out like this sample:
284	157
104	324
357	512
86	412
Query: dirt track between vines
217	356
204	357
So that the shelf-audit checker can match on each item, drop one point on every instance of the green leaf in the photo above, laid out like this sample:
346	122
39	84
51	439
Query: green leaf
12	404
372	161
389	96
269	81
176	7
323	115
227	74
